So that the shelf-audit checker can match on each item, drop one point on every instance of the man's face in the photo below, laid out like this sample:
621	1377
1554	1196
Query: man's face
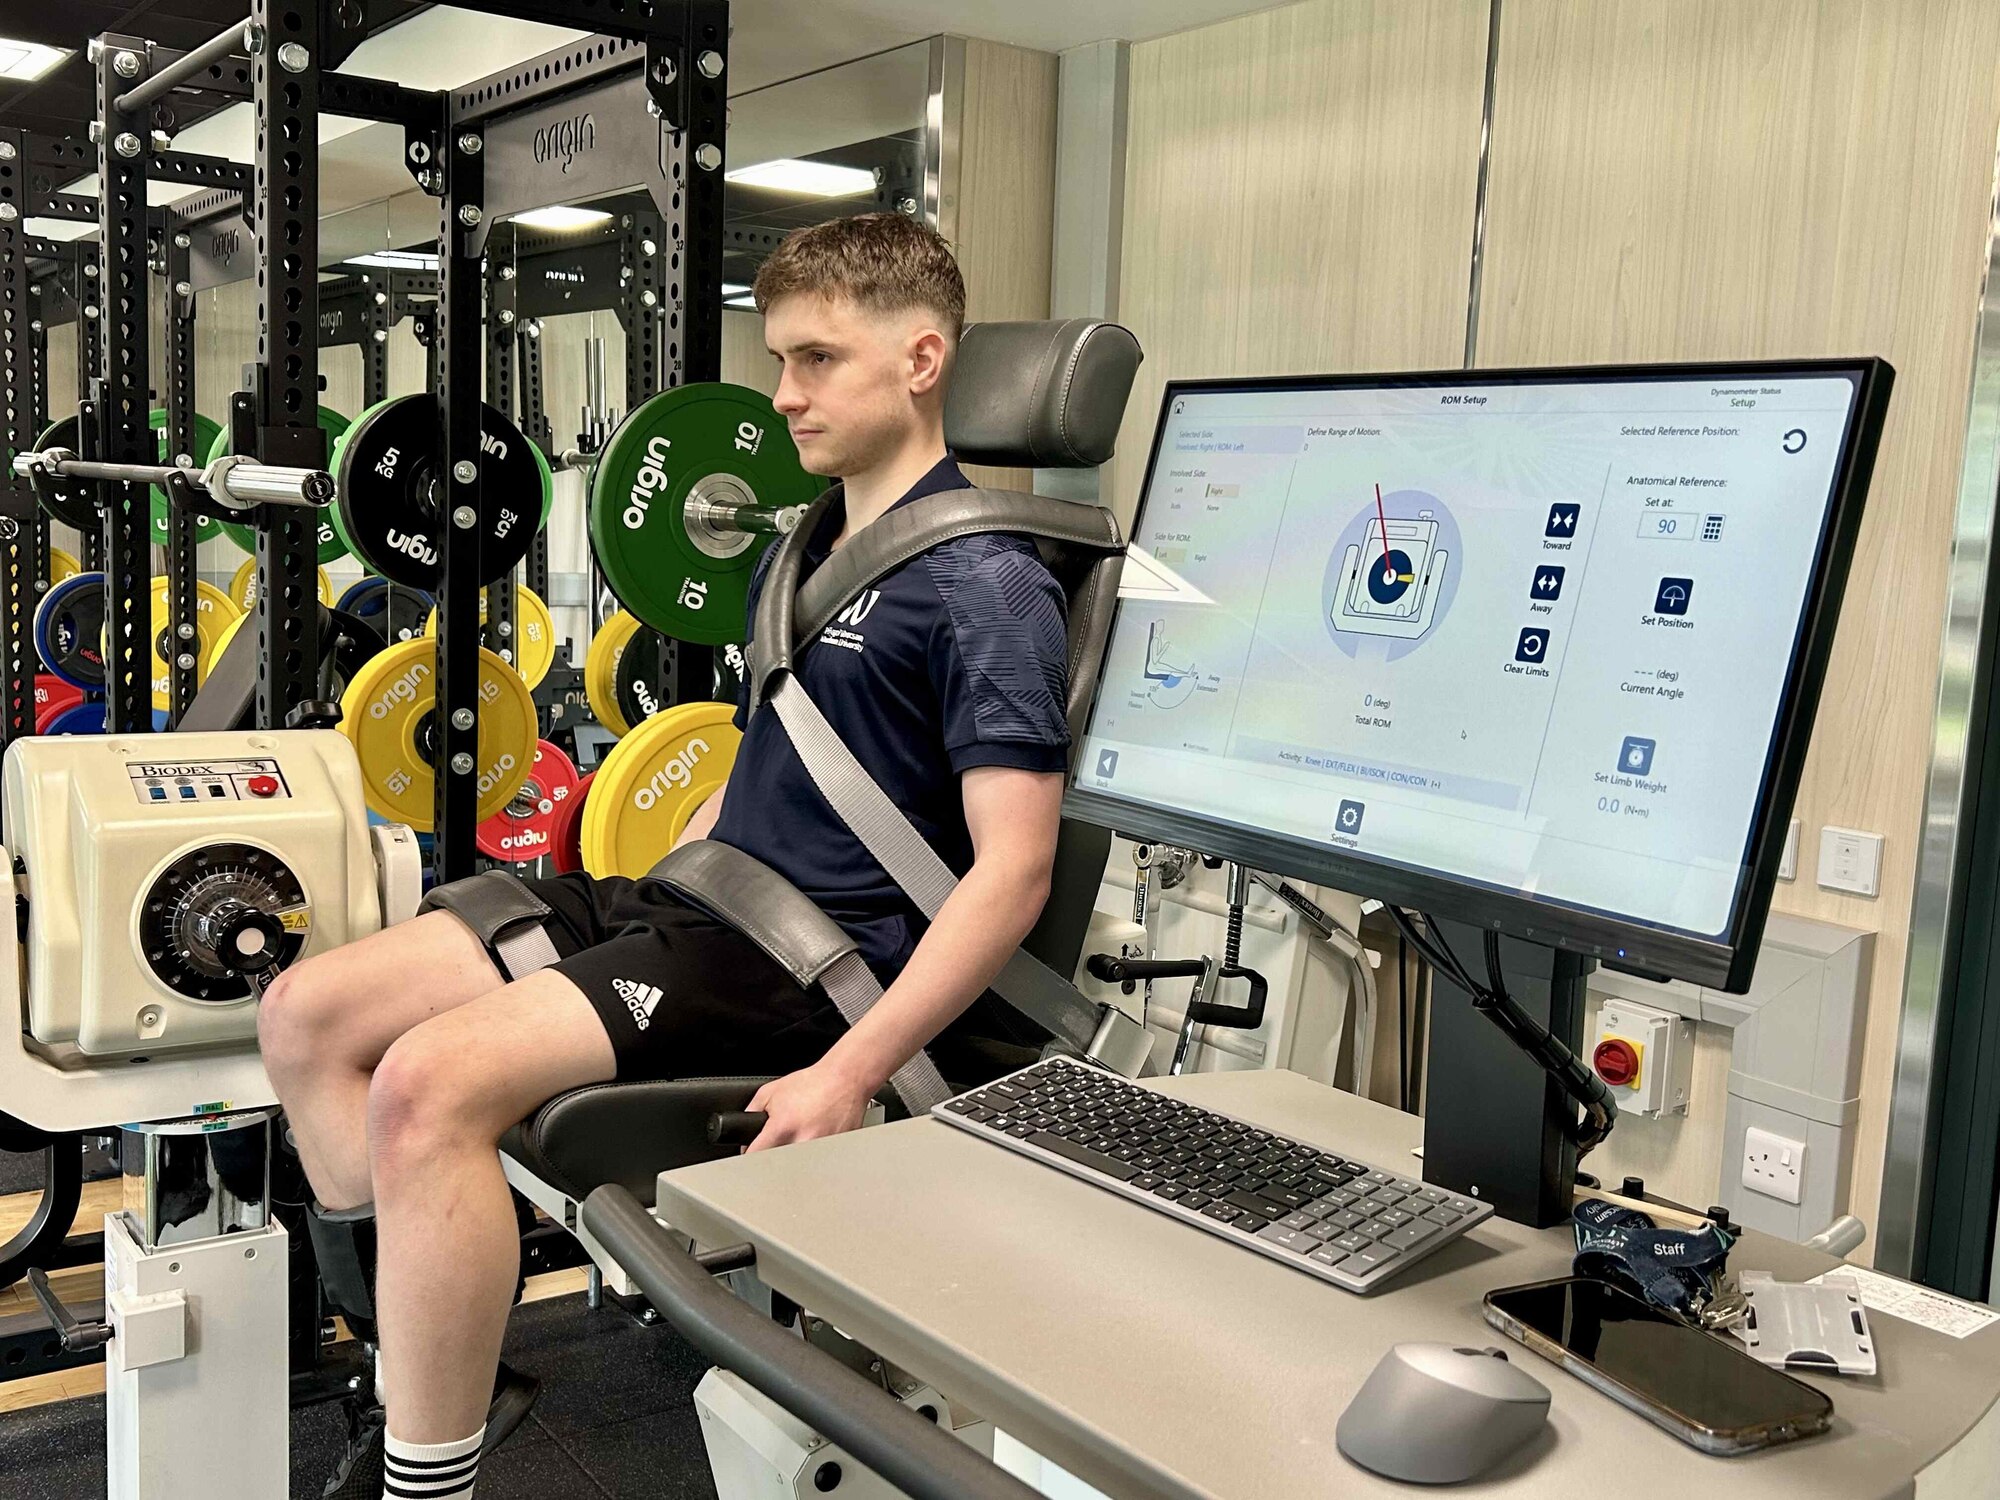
851	378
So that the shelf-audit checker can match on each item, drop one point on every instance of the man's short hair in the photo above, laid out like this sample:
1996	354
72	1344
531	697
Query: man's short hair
885	263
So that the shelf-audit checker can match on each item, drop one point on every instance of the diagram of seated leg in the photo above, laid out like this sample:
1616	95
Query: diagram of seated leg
1390	583
1170	674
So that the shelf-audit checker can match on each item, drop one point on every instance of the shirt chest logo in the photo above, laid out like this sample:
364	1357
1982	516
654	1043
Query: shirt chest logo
845	632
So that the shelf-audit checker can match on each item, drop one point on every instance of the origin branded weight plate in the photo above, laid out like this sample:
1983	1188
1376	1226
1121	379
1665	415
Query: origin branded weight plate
69	631
205	435
723	443
525	828
396	613
534	628
389	712
651	784
243	586
394	498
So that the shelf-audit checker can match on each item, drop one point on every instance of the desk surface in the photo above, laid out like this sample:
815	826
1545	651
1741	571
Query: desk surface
1149	1358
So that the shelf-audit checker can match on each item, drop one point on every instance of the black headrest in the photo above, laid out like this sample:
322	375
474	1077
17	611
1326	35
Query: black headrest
1040	395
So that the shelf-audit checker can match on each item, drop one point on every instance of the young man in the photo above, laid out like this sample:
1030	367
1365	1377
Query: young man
401	1059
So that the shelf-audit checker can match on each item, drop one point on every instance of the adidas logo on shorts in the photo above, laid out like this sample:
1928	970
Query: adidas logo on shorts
639	999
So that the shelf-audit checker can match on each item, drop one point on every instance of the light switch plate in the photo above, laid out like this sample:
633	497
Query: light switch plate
1788	865
1850	860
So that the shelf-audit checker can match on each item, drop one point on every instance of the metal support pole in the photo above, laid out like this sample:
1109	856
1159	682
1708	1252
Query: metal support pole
535	422
181	649
499	632
23	530
455	343
285	85
218	48
124	395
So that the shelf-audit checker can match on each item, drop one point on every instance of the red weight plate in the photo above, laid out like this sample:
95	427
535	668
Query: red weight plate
525	828
53	696
568	841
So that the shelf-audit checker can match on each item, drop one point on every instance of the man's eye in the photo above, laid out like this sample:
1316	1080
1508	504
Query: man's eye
819	356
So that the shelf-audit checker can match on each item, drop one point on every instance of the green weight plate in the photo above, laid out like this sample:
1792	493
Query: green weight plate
722	441
393	500
205	435
331	547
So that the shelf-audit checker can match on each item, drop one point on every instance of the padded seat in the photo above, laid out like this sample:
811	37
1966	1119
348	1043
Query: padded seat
1046	395
627	1133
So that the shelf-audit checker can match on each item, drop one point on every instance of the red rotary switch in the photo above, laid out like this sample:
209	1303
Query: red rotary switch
262	786
1616	1061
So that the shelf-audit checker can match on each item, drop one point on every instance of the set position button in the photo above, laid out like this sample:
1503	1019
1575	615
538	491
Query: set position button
262	786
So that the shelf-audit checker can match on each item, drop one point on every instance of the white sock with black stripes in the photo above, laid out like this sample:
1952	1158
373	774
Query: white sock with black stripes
430	1471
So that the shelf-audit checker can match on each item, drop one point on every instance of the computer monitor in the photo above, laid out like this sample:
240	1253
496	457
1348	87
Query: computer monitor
1537	649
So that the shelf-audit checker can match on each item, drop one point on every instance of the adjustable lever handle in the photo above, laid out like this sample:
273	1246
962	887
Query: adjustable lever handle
77	1338
735	1127
1249	1017
1113	969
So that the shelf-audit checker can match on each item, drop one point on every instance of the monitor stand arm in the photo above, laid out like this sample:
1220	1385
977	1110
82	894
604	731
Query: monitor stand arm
1499	1123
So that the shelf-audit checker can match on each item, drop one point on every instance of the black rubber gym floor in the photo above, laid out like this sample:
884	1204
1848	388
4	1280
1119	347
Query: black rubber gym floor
615	1418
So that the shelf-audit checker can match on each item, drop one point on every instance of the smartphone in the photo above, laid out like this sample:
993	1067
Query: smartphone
1705	1392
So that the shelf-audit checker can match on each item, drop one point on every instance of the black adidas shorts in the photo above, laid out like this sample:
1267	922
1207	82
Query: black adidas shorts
681	995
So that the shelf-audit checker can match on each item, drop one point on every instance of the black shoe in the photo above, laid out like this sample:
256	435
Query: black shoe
359	1475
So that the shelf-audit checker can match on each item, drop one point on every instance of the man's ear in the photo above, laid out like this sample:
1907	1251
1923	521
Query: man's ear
928	352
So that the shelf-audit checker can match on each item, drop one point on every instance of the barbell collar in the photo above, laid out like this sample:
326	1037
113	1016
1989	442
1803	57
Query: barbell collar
766	520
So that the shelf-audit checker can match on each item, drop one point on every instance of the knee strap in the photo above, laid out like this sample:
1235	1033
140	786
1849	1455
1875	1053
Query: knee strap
504	915
343	1242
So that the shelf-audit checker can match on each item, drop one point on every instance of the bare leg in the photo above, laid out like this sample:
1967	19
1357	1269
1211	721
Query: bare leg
326	1023
449	1253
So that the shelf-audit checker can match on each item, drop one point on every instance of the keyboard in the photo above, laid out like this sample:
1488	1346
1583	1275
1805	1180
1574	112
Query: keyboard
1343	1220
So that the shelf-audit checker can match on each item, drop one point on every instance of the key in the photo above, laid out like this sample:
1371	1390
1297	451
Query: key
1083	1156
1364	1261
1297	1221
1395	1218
1296	1240
1348	1244
1251	1203
1443	1217
1410	1235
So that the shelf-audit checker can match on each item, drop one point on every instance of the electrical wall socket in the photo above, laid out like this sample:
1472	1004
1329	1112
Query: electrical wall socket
1788	865
1774	1165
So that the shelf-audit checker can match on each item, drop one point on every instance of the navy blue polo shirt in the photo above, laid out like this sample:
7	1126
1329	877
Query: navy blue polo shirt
957	659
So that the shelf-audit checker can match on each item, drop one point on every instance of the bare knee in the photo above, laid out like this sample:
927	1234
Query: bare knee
422	1104
299	1027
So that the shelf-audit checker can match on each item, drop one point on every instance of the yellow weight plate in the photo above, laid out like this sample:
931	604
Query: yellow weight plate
62	565
228	634
651	783
600	670
388	712
534	627
243	587
214	613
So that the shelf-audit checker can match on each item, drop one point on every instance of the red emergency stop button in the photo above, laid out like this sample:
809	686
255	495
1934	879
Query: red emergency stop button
1616	1061
262	786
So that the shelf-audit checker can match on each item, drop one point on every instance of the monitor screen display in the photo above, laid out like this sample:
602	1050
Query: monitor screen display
1536	649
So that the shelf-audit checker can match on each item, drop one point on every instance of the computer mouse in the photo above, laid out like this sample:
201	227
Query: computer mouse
1435	1414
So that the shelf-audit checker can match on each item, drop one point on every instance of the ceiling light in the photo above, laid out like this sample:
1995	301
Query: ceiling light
750	302
735	289
396	260
562	216
817	179
27	61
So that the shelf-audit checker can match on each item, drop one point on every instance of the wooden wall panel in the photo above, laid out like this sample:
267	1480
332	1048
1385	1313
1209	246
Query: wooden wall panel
1300	190
1000	216
1704	179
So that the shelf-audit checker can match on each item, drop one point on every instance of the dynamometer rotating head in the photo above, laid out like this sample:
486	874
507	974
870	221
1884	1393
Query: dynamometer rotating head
222	919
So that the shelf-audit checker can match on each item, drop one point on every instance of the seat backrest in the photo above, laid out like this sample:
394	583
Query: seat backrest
1052	395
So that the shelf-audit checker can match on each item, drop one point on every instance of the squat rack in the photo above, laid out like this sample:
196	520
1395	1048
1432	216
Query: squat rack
483	152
